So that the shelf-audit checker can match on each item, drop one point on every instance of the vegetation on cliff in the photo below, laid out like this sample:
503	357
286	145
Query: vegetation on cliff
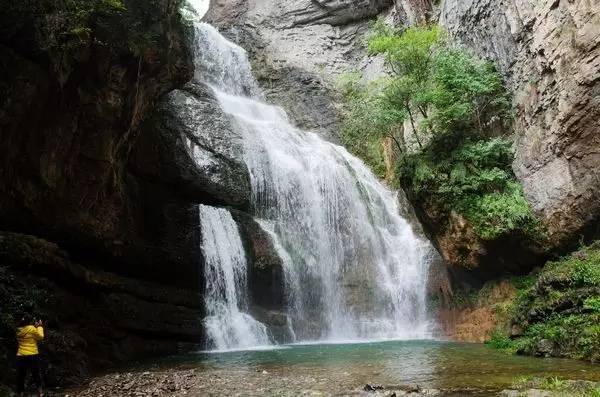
447	113
72	26
559	315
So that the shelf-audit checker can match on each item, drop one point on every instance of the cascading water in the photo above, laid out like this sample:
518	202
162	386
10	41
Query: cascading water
227	324
354	269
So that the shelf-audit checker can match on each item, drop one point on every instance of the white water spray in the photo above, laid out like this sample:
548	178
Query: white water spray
227	324
354	269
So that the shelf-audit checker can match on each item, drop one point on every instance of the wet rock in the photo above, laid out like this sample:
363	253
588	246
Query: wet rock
190	143
265	281
370	387
545	348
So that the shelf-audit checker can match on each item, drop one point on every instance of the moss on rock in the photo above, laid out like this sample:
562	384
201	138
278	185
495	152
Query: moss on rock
559	315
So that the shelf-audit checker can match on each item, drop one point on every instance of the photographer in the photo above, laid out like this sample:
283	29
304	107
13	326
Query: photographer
29	333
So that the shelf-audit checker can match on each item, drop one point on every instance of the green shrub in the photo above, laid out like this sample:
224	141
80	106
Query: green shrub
475	180
501	341
452	103
592	304
563	307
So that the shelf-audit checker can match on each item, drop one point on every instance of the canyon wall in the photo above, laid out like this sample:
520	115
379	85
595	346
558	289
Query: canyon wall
113	268
99	178
549	53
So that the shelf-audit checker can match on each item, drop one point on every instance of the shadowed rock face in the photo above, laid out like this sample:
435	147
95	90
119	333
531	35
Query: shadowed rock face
93	319
115	264
71	114
550	55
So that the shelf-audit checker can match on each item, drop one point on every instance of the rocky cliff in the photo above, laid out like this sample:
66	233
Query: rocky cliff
113	268
549	53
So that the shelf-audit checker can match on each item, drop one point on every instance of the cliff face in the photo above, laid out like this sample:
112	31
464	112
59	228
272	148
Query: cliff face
299	49
550	55
77	88
114	267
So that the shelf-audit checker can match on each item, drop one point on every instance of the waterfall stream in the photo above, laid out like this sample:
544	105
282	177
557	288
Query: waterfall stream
226	298
353	268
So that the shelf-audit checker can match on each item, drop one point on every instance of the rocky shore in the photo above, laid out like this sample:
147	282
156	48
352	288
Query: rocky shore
258	382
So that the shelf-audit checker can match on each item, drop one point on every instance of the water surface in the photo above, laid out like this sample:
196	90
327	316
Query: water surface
340	368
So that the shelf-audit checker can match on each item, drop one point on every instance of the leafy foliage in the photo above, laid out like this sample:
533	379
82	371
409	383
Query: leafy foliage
562	308
372	118
474	179
442	106
501	341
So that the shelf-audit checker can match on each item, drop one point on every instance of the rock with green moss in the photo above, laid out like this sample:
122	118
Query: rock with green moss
560	314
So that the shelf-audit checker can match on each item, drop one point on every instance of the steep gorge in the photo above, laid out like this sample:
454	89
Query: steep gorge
97	166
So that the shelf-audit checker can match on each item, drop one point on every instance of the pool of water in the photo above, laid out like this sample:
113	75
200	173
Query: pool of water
335	368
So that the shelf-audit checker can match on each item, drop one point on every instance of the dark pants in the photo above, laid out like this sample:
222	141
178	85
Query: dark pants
31	364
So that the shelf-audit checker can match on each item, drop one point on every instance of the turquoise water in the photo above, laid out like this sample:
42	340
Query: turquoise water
335	368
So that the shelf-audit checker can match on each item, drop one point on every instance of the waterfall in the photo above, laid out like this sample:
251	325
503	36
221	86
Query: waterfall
227	323
353	268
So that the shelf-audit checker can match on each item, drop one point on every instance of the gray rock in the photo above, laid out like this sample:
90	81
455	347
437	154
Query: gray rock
545	348
516	330
198	151
550	56
265	279
299	50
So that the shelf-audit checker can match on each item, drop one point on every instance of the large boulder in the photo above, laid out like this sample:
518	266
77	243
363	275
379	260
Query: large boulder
190	144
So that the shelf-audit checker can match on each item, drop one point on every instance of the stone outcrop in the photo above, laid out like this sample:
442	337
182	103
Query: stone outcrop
190	144
550	55
265	281
299	50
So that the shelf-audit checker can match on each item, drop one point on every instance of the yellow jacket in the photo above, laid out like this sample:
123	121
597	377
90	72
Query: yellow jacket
28	337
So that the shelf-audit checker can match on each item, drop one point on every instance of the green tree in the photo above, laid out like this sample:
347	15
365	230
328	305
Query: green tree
457	109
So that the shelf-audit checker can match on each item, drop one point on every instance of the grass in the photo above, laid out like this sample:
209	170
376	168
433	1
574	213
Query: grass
558	387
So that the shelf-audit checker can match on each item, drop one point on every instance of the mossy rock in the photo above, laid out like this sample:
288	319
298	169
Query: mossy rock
560	314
